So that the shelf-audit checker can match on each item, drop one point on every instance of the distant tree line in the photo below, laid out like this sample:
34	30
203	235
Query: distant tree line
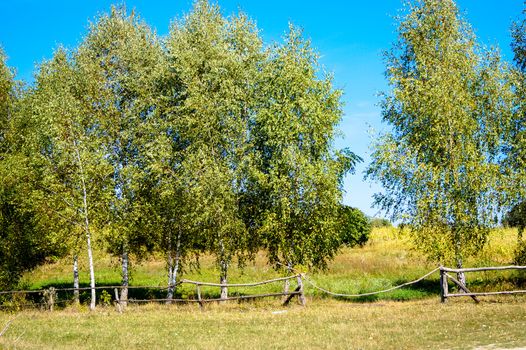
204	141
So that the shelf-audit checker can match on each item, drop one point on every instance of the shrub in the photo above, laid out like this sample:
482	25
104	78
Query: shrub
355	226
380	222
516	218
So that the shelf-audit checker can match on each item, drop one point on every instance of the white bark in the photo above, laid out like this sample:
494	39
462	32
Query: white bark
173	267
91	271
87	230
125	277
76	296
224	280
223	273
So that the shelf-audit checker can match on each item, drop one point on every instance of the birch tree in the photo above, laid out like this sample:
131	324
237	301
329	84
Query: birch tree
447	109
515	159
299	172
121	55
75	169
27	235
216	60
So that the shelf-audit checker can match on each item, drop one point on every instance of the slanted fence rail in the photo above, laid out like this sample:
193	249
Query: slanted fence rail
445	277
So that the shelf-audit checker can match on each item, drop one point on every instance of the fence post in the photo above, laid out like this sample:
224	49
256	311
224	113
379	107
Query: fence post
444	288
117	301
50	295
198	290
301	296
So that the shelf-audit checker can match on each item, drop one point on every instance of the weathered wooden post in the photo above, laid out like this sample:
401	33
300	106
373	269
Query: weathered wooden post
118	301
301	296
198	290
444	288
50	295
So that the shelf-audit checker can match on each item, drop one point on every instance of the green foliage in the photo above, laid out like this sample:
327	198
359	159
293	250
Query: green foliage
520	253
355	226
64	146
120	57
24	241
299	174
515	155
205	142
516	217
518	44
27	238
105	298
448	109
214	61
6	97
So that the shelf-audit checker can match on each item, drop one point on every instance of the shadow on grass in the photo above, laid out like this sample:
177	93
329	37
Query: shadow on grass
106	296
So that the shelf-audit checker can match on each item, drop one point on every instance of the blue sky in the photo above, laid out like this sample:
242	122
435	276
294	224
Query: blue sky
350	36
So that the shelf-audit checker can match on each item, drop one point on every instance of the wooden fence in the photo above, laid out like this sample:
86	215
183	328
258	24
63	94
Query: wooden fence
445	277
50	299
49	296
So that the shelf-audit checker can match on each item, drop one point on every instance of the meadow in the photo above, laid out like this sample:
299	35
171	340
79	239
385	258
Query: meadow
409	318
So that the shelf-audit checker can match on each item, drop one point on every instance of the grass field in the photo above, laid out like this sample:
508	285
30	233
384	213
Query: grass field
265	325
411	318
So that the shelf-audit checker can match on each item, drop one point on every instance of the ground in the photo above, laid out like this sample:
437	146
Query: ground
412	318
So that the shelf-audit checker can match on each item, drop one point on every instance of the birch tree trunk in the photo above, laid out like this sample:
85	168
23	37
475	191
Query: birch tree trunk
170	263
223	273
173	268
87	230
91	270
223	279
76	294
125	277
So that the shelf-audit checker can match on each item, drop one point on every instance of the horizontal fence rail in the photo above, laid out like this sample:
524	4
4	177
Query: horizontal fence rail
239	284
326	291
81	289
479	269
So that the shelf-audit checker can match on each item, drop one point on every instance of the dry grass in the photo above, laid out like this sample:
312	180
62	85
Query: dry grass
264	325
